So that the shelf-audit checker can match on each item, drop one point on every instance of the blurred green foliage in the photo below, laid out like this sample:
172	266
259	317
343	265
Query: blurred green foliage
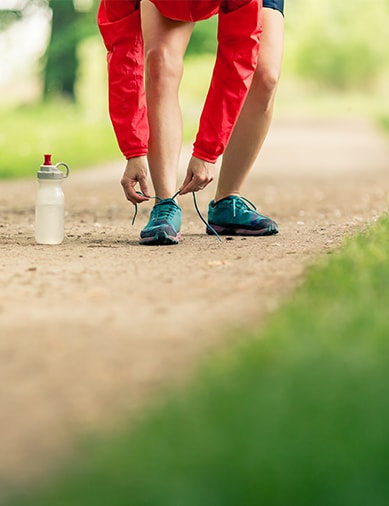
81	134
384	121
339	44
203	38
341	48
61	62
72	22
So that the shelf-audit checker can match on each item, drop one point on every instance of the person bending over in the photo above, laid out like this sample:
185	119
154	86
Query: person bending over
146	43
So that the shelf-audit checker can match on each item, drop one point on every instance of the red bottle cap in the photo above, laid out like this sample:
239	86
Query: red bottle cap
47	160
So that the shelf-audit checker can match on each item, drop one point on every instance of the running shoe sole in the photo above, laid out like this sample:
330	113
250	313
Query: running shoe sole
224	230
160	238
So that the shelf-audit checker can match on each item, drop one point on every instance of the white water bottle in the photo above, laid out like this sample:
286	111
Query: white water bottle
50	203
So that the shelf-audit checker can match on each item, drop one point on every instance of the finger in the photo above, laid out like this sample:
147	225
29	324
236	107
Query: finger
132	195
193	186
184	190
144	188
187	181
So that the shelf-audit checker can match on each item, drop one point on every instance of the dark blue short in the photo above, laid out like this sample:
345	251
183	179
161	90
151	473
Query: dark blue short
274	4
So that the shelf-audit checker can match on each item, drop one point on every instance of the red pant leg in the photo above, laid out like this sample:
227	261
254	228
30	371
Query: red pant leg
119	9
120	27
238	45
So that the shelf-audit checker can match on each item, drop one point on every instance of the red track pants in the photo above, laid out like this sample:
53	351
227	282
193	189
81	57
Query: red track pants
239	31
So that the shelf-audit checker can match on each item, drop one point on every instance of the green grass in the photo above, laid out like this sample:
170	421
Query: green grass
297	414
80	135
61	129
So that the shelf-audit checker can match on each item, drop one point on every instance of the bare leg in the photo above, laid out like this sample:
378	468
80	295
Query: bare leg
165	44
254	121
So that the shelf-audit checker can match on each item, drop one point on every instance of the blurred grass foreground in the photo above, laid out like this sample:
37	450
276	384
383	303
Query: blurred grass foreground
297	414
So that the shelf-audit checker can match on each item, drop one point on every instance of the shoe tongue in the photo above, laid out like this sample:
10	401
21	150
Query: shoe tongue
163	208
237	201
243	203
165	201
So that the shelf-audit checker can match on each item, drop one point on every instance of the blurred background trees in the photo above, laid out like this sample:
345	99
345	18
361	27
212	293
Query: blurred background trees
70	24
336	43
339	44
52	58
71	21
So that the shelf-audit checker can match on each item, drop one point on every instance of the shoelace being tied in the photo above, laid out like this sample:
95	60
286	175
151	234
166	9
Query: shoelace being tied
195	205
243	204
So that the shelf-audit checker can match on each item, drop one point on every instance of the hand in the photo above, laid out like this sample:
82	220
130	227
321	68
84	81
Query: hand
135	172
198	175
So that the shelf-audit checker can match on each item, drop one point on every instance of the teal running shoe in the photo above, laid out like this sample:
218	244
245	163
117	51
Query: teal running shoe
164	224
233	216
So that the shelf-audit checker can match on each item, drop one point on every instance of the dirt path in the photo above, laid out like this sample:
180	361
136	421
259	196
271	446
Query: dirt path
91	328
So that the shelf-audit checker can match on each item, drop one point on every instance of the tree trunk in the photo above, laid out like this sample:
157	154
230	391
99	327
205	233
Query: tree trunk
61	56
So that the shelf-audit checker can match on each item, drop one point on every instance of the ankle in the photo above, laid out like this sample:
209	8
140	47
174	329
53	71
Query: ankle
222	195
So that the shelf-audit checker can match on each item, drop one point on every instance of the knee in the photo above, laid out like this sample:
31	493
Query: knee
265	81
163	67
